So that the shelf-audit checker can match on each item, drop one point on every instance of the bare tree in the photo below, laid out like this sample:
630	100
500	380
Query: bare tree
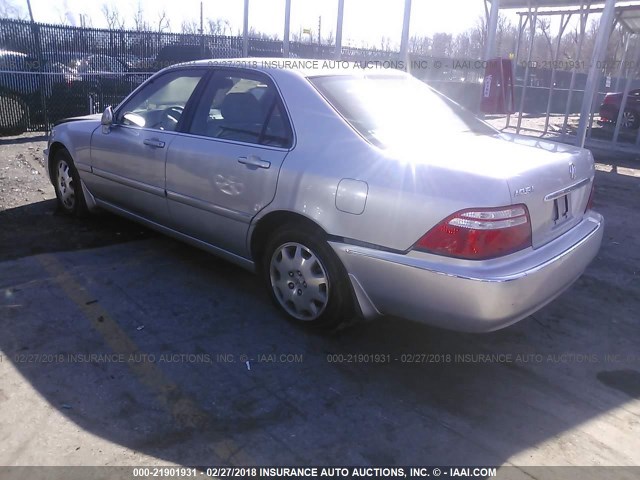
330	39
63	19
385	44
139	22
461	47
85	20
8	9
420	45
442	44
163	22
219	26
113	18
190	27
506	36
544	25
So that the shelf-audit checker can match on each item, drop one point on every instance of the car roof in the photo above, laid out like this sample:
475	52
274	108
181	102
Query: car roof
307	67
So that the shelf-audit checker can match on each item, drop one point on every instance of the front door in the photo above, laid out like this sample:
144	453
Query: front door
128	158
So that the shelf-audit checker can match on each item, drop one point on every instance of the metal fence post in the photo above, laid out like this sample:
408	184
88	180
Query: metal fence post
532	26
492	27
584	15
606	21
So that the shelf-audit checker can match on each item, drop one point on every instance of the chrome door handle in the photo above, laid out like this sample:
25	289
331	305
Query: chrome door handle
254	161
153	142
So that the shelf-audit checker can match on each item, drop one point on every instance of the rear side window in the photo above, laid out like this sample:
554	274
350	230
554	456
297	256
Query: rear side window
389	110
243	108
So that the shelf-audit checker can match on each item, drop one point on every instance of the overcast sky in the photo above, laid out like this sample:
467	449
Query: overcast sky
365	20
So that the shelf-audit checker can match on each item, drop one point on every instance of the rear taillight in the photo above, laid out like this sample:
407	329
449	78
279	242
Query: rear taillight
609	98
479	233
590	201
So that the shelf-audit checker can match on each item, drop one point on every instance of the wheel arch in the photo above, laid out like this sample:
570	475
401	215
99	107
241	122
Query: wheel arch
54	148
270	222
259	233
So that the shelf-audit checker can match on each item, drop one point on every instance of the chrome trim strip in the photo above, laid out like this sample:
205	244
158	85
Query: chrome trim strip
231	257
83	167
564	191
233	142
421	265
209	207
128	182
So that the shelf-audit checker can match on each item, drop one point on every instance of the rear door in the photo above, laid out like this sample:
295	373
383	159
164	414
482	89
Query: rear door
128	158
224	169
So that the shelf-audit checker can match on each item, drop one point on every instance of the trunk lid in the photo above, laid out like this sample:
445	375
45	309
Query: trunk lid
552	179
554	182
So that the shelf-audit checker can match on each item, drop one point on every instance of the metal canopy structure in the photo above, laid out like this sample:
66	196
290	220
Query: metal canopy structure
626	14
630	18
513	4
404	41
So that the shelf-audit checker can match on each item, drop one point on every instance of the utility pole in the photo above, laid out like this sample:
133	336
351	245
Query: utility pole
338	49
245	30
320	30
201	31
287	26
30	11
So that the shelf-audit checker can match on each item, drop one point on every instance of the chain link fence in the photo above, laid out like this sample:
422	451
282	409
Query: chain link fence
50	72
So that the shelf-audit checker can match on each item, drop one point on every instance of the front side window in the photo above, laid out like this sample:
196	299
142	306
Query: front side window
244	109
159	105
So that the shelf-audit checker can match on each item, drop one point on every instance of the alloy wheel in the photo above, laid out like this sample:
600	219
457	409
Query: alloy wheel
65	185
299	281
629	119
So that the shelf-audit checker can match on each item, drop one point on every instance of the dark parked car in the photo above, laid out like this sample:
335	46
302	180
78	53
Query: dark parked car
611	106
179	53
96	80
24	85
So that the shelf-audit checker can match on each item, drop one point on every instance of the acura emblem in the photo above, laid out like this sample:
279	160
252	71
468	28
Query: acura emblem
572	171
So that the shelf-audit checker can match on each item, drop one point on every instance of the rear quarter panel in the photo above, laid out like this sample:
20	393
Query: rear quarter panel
405	198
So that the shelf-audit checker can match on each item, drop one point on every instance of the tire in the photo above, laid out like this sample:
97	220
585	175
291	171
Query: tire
305	278
14	114
66	183
630	120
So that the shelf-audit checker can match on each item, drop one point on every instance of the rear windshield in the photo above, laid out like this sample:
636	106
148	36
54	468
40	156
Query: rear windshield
390	111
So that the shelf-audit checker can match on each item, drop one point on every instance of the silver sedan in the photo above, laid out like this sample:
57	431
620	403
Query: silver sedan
349	190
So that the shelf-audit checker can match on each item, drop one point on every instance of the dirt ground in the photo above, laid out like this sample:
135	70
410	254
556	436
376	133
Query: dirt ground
26	231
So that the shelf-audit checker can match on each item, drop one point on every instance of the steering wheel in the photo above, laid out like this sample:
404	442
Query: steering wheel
170	118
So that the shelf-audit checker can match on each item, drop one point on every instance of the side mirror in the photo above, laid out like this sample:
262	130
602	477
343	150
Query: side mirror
107	117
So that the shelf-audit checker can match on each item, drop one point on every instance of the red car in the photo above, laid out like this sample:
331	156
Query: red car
611	106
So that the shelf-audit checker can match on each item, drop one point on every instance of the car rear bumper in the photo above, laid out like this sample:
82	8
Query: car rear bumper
608	113
466	295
